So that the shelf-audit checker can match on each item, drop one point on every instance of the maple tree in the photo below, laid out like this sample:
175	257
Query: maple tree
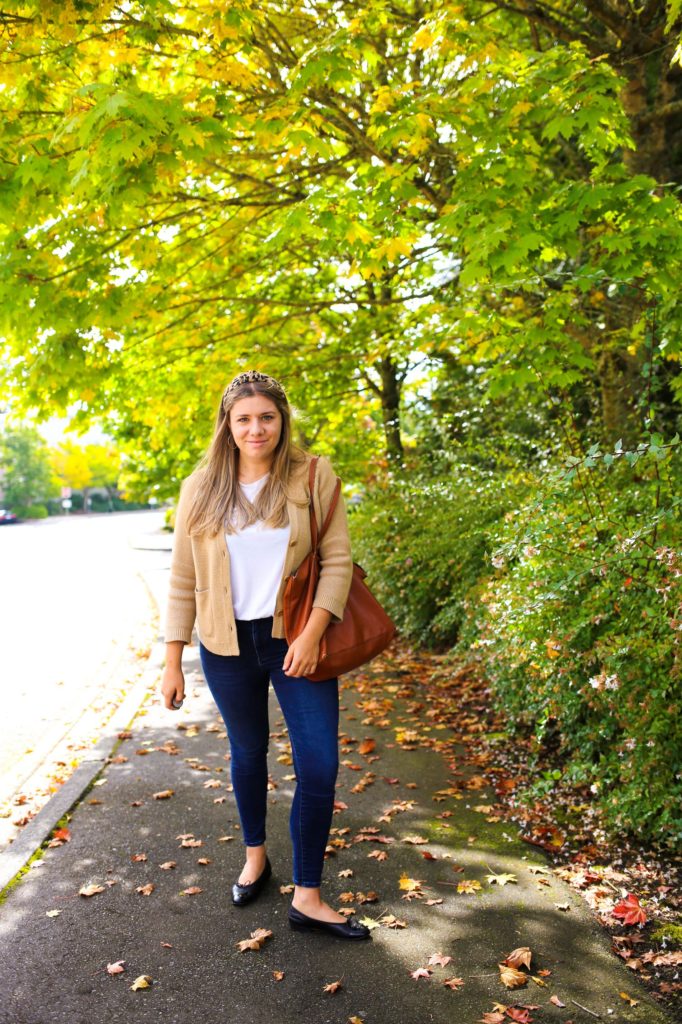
344	195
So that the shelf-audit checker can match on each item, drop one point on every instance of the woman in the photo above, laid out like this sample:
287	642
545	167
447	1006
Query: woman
242	526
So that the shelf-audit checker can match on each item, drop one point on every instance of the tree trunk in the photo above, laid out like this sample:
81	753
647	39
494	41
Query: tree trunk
390	410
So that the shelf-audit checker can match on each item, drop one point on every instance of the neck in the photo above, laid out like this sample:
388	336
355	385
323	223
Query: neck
252	469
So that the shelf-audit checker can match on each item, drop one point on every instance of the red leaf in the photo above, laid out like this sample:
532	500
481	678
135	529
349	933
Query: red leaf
629	910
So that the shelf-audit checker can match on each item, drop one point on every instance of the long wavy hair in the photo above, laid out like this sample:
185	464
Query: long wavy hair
219	503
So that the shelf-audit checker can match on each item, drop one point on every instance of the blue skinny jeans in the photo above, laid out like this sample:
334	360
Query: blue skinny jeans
239	685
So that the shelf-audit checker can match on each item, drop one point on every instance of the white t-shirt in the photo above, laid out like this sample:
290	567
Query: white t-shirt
257	556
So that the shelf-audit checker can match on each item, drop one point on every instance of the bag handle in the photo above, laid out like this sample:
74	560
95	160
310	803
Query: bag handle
316	540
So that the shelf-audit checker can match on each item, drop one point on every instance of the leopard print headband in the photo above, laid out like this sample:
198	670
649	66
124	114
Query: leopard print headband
254	375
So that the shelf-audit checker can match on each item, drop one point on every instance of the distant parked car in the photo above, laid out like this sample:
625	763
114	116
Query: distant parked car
6	516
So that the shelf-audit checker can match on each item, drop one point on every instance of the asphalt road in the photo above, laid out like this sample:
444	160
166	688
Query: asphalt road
75	608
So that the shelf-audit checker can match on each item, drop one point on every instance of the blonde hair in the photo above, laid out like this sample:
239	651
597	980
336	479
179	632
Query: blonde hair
219	503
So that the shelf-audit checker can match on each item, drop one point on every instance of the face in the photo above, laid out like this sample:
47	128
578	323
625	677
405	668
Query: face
256	425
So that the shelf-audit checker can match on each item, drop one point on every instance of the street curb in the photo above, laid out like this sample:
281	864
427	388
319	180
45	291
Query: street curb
17	855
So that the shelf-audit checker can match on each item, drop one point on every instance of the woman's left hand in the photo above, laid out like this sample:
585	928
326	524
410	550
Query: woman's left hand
302	656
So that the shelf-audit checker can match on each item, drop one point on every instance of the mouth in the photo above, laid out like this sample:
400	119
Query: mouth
256	442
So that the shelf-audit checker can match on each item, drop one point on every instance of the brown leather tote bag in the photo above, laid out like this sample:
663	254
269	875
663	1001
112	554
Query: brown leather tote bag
365	630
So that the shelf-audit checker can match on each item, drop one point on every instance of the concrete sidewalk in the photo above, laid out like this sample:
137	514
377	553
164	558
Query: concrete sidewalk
53	967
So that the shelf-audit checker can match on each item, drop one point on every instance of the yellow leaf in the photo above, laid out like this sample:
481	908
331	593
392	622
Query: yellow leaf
357	231
510	977
468	885
422	39
409	883
143	981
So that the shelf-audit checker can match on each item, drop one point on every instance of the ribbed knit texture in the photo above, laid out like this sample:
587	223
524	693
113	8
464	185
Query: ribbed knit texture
200	590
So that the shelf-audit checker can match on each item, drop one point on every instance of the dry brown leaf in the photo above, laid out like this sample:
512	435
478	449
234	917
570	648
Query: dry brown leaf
454	983
346	873
53	913
286	889
168	865
333	986
421	972
91	890
225	839
204	861
511	978
378	855
191	843
391	921
438	960
163	794
117	968
193	890
415	840
628	999
520	957
256	940
278	975
367	746
139	857
432	903
556	1001
145	890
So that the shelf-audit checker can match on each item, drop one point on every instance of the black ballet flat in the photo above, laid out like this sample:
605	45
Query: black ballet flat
245	893
350	929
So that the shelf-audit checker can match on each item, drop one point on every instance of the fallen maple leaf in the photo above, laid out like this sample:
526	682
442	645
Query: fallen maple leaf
116	968
421	972
391	921
511	978
415	840
142	981
278	975
432	903
556	1001
333	986
628	999
139	857
346	873
256	940
367	746
163	794
519	1014
53	913
167	865
145	890
191	843
500	879
438	960
454	983
468	885
520	957
410	884
193	890
629	910
91	890
494	1017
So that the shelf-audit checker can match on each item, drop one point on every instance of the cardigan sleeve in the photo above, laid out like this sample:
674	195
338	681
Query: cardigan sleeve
181	603
336	560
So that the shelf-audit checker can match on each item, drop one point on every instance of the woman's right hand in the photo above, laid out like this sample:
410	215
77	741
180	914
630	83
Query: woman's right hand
172	686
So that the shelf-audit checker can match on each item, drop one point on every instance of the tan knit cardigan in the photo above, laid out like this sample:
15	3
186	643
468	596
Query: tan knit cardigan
200	589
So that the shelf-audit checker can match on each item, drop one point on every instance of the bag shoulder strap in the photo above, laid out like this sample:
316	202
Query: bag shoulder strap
313	518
